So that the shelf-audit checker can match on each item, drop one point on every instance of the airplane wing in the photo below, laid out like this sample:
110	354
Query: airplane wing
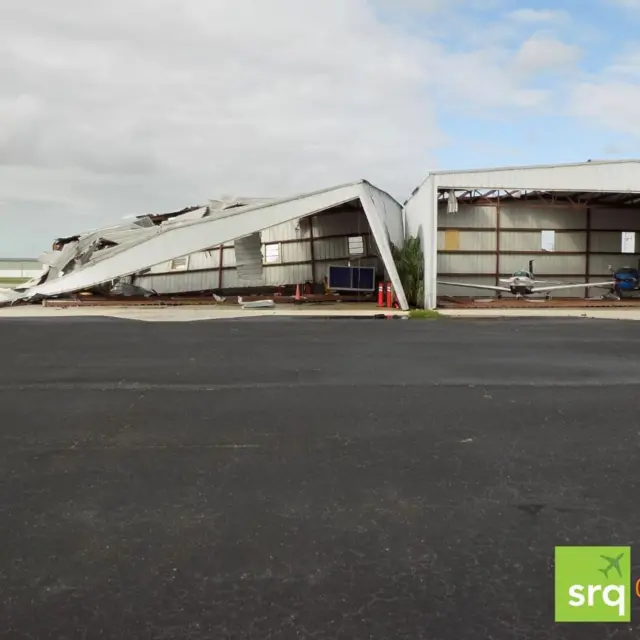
580	285
475	286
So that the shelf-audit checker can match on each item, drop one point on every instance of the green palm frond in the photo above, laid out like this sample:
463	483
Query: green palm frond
410	265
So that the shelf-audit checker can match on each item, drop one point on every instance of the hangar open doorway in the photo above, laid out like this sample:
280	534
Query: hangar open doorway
573	221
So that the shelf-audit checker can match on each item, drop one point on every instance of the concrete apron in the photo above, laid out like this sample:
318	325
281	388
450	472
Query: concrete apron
602	314
191	314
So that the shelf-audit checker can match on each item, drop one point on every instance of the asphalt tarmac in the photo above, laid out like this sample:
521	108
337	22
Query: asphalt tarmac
328	479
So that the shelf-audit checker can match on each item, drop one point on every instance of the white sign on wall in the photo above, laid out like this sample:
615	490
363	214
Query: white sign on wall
548	241
628	242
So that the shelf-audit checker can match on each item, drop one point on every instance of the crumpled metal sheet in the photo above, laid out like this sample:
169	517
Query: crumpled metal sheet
128	290
9	296
248	252
258	304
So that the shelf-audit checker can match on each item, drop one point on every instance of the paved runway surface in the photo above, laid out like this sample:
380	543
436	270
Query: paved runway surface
310	479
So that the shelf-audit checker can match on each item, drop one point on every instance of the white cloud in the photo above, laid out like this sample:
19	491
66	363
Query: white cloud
544	53
421	5
609	99
115	112
482	80
528	16
612	105
143	105
629	4
626	65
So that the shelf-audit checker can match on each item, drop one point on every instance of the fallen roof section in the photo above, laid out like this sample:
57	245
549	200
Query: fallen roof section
106	255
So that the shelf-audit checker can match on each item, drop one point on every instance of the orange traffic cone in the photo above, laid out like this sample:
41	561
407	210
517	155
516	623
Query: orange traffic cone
297	292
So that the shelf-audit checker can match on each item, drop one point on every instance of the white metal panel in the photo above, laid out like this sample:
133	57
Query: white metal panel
527	216
340	223
532	241
615	176
204	260
179	282
544	264
416	211
468	263
228	258
472	216
296	252
620	218
209	259
230	280
390	211
470	241
291	230
331	248
277	275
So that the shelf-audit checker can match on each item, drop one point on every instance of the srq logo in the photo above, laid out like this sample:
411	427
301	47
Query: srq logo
593	584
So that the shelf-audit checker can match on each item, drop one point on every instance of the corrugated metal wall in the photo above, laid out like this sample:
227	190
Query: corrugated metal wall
330	232
607	225
481	243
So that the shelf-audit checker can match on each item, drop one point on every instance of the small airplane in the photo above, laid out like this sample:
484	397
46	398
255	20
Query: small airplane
614	563
523	283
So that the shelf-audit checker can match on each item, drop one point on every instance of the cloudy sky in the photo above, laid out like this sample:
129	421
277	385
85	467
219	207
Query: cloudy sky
109	109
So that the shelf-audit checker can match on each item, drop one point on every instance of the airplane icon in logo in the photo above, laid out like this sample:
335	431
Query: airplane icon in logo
614	563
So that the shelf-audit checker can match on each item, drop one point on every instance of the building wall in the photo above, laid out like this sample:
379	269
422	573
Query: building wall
330	232
19	269
482	243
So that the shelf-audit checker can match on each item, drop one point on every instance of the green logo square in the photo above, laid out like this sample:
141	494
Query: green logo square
593	584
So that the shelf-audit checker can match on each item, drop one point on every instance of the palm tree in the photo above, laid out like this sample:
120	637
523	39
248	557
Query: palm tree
410	265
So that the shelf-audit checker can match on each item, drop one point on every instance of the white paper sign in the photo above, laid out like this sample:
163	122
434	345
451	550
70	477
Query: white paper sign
628	242
548	241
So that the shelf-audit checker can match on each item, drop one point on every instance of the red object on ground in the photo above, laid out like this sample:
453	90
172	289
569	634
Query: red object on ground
381	294
297	292
389	295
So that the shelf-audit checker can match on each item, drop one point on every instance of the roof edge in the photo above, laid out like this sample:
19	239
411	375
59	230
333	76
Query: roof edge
535	166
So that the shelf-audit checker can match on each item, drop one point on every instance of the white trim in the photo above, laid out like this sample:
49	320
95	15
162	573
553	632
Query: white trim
536	166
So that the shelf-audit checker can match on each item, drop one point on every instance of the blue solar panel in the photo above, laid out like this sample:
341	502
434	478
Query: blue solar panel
363	279
352	278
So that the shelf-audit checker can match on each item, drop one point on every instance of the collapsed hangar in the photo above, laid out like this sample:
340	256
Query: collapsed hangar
574	220
226	244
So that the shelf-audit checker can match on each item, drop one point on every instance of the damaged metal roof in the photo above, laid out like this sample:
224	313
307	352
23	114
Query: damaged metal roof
77	263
